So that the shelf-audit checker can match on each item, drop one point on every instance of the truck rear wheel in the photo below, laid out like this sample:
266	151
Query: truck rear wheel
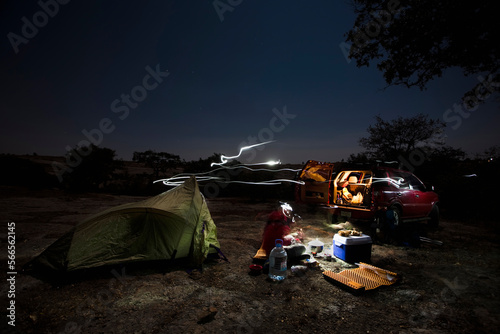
434	216
396	211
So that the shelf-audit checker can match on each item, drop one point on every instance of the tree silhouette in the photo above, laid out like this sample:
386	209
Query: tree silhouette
414	41
95	169
391	139
203	165
159	161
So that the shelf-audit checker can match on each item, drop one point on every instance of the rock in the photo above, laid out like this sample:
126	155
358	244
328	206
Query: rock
409	294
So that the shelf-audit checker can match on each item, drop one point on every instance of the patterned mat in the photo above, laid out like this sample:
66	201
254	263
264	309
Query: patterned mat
365	277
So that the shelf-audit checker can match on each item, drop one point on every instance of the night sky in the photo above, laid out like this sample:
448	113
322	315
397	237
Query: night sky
181	77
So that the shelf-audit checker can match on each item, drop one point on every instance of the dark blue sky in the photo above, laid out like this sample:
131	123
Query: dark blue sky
88	68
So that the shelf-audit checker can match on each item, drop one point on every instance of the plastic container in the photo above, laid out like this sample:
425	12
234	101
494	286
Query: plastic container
316	247
277	262
352	249
255	269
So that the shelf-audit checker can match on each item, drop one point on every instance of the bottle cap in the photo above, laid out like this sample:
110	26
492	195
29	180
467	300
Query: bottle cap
278	242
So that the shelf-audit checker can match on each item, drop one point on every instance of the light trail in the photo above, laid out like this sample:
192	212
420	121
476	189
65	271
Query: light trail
259	169
225	159
272	182
179	179
268	163
176	181
203	176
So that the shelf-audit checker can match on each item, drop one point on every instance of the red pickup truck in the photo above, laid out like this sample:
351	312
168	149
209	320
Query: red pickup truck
363	194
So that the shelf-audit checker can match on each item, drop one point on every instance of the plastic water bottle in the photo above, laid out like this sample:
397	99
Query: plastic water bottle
277	262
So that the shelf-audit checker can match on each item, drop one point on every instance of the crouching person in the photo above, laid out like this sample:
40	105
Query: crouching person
278	226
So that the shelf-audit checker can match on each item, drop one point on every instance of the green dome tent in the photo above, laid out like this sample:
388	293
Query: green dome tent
172	225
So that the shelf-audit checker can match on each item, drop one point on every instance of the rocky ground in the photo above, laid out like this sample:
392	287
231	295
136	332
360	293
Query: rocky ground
453	288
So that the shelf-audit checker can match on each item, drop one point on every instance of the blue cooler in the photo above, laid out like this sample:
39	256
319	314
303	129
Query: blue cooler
353	249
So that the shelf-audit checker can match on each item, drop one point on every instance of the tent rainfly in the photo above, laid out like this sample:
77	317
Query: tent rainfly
172	225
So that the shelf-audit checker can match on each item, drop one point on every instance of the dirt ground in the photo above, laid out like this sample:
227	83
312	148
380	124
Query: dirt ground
453	288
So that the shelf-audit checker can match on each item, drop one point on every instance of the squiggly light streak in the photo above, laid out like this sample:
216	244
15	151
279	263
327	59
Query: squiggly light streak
395	181
388	162
176	181
225	159
268	163
200	177
266	183
259	169
179	179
